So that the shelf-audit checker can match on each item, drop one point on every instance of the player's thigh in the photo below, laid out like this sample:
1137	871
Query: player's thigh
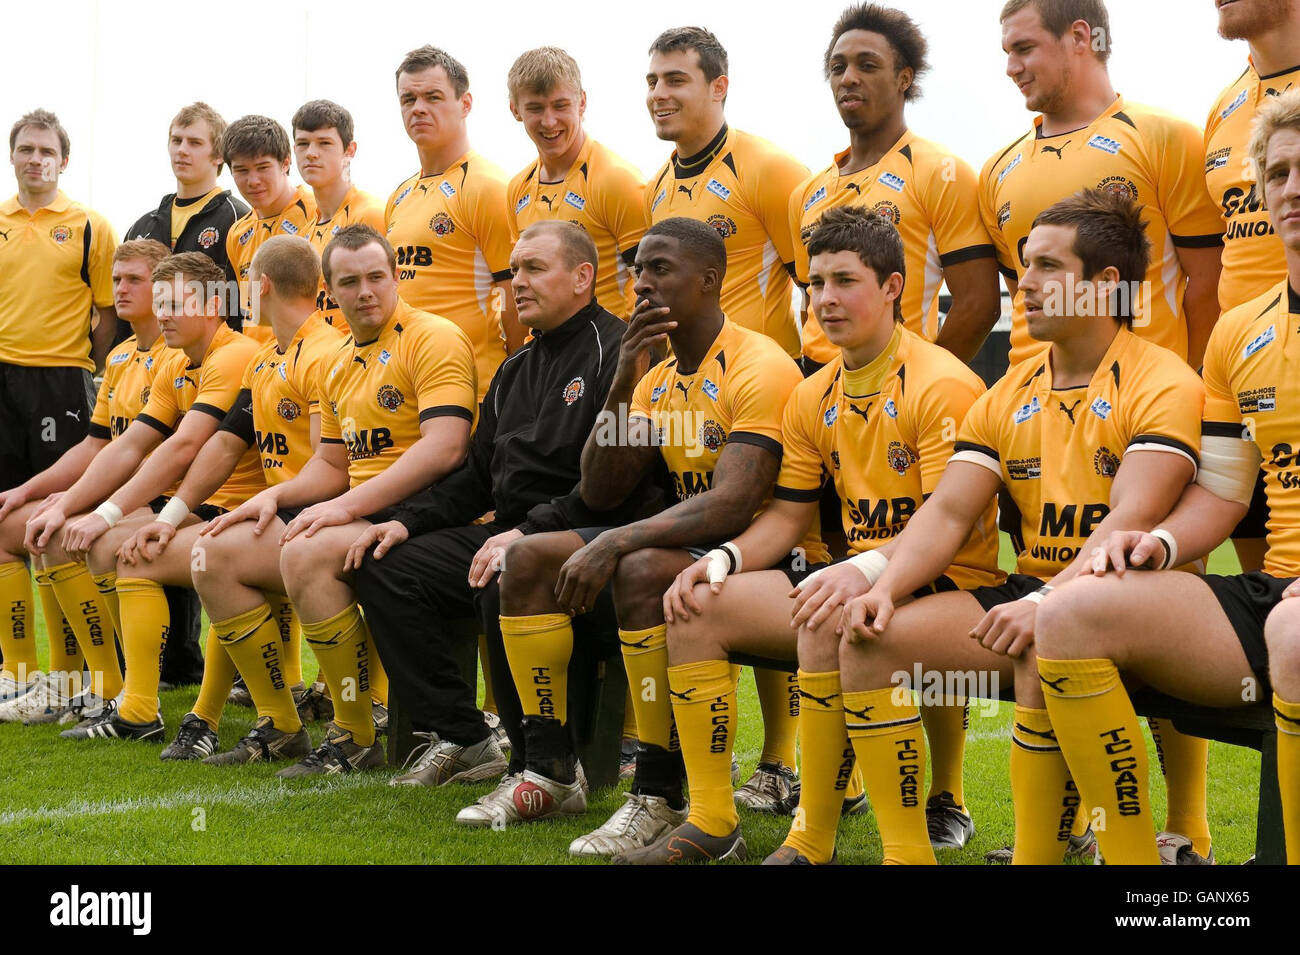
103	553
307	557
172	567
750	615
537	558
237	555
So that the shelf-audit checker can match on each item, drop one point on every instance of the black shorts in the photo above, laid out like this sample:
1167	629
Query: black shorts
1254	526
793	566
1016	587
1246	600
204	512
287	514
45	412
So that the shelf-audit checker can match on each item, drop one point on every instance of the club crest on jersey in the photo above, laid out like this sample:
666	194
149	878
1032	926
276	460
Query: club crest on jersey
385	356
891	409
663	194
1004	215
288	409
832	415
1006	170
1101	408
389	398
208	237
710	389
246	235
574	390
1119	186
575	200
144	395
815	198
446	189
658	392
718	189
900	457
119	358
60	234
1105	144
892	181
711	435
887	210
1027	411
523	201
1105	462
1234	105
441	224
289	227
723	225
402	195
1264	338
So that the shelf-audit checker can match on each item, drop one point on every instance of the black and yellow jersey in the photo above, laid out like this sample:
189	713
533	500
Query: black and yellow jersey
357	207
604	194
1151	157
882	435
737	395
1253	259
246	237
1252	392
210	387
451	233
128	378
374	395
1058	450
183	210
932	197
741	184
55	263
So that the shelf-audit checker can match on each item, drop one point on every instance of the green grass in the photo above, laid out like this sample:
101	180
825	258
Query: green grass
114	802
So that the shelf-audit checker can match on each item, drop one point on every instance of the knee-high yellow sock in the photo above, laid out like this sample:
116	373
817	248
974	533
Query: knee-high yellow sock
890	747
378	675
778	698
827	767
1044	813
65	655
489	697
1287	716
18	634
146	624
629	717
645	654
343	647
1102	741
107	586
945	734
253	641
78	594
704	706
539	647
286	619
218	678
1184	761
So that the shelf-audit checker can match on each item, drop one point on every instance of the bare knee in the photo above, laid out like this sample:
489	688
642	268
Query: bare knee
529	572
1072	622
819	647
1282	635
695	636
640	581
300	560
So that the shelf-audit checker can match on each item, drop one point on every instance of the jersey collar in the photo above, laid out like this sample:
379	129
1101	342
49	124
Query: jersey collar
1106	114
59	204
573	325
583	157
866	381
904	141
691	166
1108	367
314	321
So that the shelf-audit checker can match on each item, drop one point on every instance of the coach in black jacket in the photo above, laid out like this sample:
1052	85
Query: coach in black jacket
523	464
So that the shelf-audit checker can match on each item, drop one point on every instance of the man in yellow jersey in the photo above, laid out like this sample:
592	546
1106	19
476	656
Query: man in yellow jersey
1087	136
128	374
574	178
192	391
712	416
276	417
873	63
1216	640
397	400
323	148
257	152
883	446
1097	432
198	216
449	223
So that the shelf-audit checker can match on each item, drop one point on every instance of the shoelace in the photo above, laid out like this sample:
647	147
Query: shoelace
627	821
420	757
254	738
190	733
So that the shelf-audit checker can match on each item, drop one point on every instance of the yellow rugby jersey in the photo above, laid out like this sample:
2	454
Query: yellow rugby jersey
374	395
604	194
183	210
284	392
736	395
1253	259
1252	390
128	378
741	184
452	236
932	197
883	434
211	387
1141	152
54	265
357	207
247	235
1057	450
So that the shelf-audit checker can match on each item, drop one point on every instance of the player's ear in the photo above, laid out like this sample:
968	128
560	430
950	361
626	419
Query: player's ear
893	287
466	103
584	277
582	104
351	150
284	166
514	111
905	77
718	88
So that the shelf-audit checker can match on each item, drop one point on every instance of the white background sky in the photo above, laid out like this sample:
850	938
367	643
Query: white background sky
117	72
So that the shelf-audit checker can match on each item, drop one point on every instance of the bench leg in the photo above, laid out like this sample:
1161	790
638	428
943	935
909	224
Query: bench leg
1270	839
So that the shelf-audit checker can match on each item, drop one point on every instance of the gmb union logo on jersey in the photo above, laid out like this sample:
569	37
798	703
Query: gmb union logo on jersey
891	409
711	435
446	189
1105	144
1263	339
390	398
441	224
1006	170
892	181
119	358
1027	411
208	237
900	457
815	198
60	234
887	210
725	226
831	416
288	409
710	389
658	392
575	390
1119	186
1105	462
289	227
1257	399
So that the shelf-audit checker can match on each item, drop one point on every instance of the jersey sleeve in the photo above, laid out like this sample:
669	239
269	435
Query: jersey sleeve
802	474
640	406
622	206
778	176
1191	215
952	200
442	372
757	392
100	420
162	411
331	432
988	215
940	411
221	380
977	440
485	208
795	214
374	214
239	419
99	260
1222	414
1165	413
514	190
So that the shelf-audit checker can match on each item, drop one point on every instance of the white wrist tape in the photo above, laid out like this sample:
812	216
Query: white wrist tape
110	512
174	512
1229	467
723	561
1163	535
870	565
1039	595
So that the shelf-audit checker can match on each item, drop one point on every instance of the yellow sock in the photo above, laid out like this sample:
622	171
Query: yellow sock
1102	741
77	592
778	698
629	717
538	648
945	735
343	647
218	677
18	635
645	654
1184	761
704	706
827	768
146	624
1044	813
1287	716
253	641
107	586
489	697
65	655
890	747
286	619
378	675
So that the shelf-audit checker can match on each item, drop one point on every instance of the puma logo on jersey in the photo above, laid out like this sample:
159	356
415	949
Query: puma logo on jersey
1069	412
860	412
548	200
854	186
5	234
688	192
684	388
1057	150
360	361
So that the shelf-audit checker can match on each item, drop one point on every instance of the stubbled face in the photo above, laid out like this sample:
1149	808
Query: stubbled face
1243	19
1037	62
37	158
668	277
678	96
